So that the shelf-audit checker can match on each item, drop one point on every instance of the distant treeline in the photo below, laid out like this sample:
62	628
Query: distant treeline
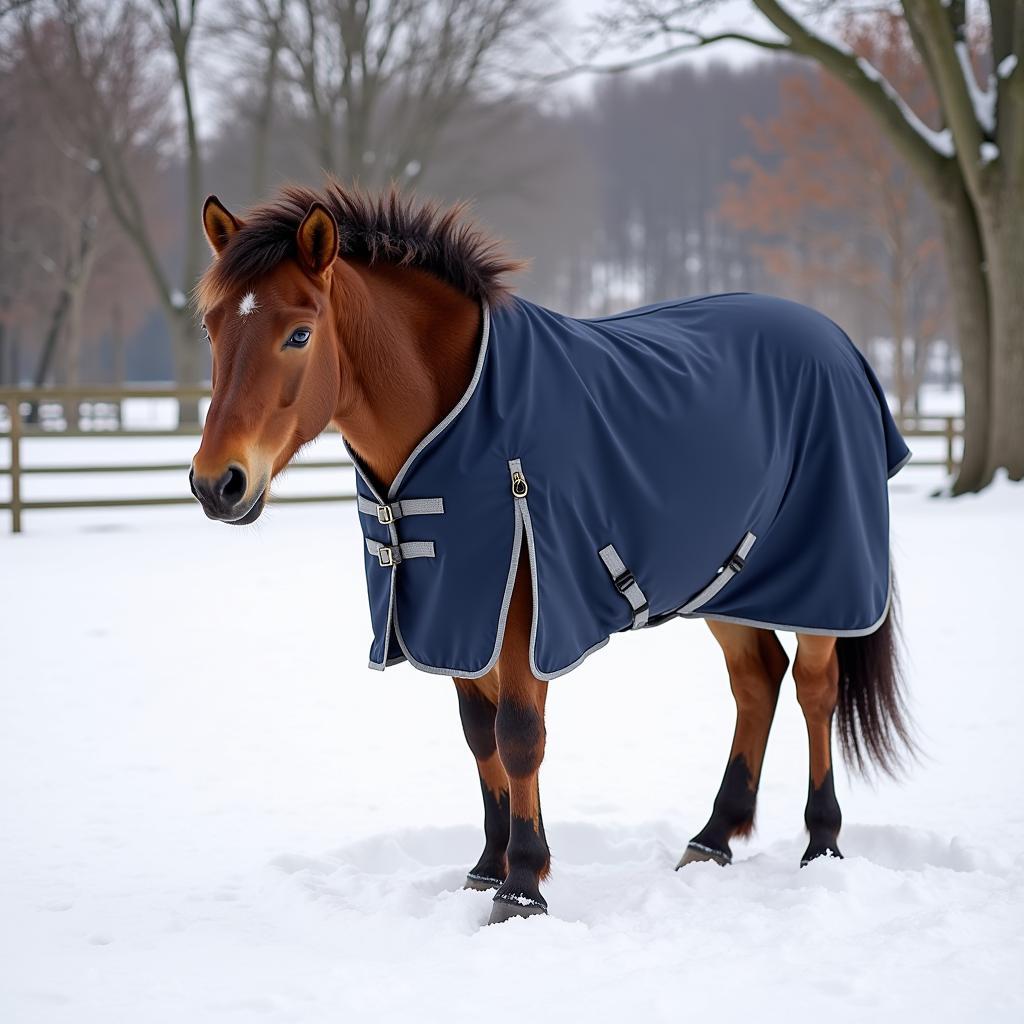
651	186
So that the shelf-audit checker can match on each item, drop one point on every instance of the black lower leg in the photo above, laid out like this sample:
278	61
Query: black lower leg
823	818
527	863
478	712
816	674
490	869
756	663
520	735
732	814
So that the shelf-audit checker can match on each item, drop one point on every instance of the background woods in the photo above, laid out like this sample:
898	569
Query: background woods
955	114
842	181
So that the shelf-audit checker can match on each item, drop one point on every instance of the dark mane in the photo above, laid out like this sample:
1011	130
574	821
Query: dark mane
388	228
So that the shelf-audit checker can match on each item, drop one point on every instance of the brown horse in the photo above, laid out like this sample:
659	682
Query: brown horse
333	307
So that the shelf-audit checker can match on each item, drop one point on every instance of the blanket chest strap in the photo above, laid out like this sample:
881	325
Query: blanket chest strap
386	514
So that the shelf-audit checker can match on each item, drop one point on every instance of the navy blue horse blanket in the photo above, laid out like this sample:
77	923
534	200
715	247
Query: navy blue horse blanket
723	457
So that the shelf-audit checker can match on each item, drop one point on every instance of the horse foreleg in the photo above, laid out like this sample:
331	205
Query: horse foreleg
519	731
756	663
816	672
478	706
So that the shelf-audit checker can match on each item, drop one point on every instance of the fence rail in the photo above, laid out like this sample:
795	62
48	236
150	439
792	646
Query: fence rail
18	431
949	428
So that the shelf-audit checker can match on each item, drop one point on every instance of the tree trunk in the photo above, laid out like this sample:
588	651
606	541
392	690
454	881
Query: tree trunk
1006	284
188	361
970	304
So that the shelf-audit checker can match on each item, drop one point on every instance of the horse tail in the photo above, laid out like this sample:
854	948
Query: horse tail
874	726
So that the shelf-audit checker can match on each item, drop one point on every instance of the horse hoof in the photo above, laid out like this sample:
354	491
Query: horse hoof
481	883
696	853
505	910
814	852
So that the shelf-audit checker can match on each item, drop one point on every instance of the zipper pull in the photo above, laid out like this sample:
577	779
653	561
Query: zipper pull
519	485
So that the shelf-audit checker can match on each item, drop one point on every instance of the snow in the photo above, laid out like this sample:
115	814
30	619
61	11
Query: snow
989	151
212	811
940	141
983	100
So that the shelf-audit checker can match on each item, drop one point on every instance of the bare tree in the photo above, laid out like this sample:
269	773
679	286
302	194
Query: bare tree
110	97
251	37
842	221
384	78
972	164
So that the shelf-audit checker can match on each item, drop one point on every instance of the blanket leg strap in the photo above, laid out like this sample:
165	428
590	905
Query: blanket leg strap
626	585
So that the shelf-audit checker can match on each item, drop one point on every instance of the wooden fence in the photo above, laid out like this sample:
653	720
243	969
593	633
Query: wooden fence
17	402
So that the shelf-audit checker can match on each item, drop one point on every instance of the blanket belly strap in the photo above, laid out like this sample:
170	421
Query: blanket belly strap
626	585
734	564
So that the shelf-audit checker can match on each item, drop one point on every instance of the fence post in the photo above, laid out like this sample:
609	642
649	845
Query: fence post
950	435
14	408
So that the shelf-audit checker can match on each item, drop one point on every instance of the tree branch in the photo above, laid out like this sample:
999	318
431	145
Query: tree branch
695	41
926	150
942	30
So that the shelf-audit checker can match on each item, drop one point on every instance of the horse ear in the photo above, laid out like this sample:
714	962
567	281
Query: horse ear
218	223
318	239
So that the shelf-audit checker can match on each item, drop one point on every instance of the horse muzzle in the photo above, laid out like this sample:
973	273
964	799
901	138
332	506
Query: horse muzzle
227	498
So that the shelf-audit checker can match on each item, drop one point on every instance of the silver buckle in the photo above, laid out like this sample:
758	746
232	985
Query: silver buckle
385	514
385	556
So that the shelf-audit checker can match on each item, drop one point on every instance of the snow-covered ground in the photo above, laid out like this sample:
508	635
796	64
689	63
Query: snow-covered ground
210	810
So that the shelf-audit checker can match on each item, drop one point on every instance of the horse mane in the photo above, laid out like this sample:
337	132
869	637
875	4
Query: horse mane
388	228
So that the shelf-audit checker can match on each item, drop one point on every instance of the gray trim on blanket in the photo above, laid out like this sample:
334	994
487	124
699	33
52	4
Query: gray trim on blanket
811	631
380	666
377	667
899	465
517	543
725	574
523	509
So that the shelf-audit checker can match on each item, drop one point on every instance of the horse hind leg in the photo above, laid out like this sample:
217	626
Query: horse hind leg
478	707
816	673
756	663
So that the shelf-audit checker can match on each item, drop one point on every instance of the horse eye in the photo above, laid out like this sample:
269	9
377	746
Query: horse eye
298	338
206	331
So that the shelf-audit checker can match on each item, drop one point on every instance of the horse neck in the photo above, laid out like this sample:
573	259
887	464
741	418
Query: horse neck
407	349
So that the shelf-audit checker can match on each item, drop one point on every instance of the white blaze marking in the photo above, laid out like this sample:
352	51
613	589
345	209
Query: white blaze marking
248	304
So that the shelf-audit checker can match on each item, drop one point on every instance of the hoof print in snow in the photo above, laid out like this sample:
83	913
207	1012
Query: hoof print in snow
504	910
696	853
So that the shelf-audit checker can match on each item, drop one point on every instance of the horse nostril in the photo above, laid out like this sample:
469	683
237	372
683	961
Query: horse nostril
232	485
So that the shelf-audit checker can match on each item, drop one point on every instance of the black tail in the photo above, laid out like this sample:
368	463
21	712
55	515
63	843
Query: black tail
874	727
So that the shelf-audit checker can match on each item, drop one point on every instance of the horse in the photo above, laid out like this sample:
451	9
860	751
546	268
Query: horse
336	306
